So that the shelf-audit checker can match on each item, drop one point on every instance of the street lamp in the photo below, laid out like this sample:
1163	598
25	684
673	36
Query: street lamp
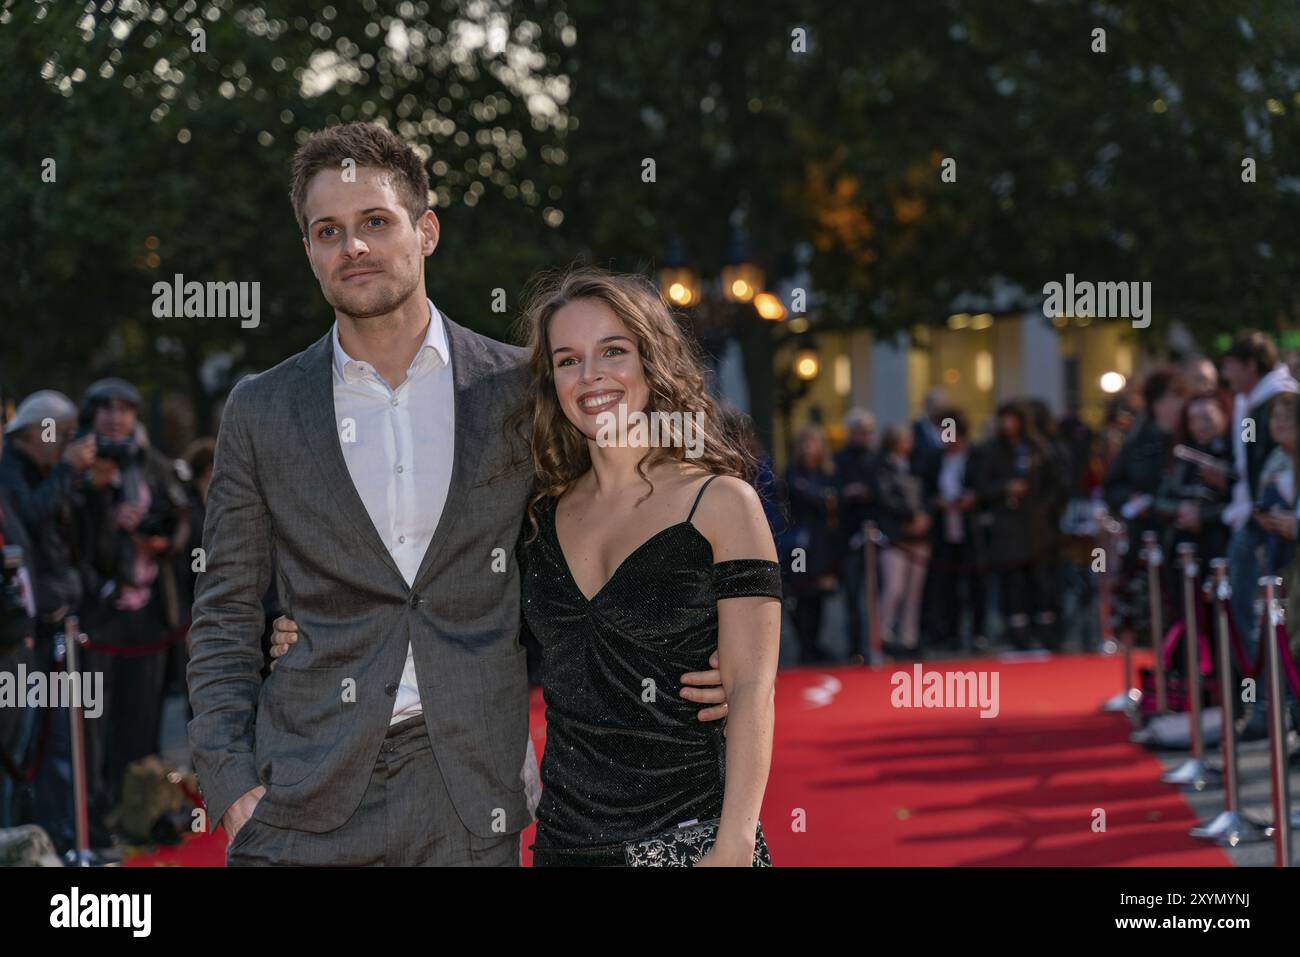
806	364
680	283
769	307
742	280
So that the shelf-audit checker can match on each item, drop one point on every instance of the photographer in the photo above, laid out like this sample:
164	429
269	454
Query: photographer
40	474
136	518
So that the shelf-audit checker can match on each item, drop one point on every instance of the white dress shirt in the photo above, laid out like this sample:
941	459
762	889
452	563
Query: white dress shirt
397	444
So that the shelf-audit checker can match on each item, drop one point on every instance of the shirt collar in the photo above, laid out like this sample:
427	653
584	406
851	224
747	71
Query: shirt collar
434	345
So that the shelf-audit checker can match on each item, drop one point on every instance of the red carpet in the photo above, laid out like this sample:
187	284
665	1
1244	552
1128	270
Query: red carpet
896	787
856	781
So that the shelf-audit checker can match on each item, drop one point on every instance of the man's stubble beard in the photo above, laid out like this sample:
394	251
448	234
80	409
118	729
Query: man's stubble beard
367	304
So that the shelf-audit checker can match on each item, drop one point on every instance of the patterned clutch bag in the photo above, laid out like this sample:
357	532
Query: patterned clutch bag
684	846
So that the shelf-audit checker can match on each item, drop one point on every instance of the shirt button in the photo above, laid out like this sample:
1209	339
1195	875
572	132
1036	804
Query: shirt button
399	469
393	403
401	539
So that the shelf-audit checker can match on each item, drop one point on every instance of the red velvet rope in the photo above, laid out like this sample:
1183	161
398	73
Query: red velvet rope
136	651
1239	651
1288	663
1205	659
1244	664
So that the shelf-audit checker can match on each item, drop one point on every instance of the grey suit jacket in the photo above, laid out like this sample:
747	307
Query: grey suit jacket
311	732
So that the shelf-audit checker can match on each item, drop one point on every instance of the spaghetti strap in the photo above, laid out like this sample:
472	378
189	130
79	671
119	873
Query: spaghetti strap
699	496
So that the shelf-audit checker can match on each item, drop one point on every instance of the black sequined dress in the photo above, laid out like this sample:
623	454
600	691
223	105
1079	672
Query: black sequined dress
626	757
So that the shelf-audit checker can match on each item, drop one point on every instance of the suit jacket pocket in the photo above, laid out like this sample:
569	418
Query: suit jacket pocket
504	683
299	718
246	830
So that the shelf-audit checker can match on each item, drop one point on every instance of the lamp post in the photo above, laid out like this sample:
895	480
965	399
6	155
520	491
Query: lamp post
680	283
738	306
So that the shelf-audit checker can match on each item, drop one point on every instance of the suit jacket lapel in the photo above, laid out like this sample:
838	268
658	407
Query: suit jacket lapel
467	371
314	407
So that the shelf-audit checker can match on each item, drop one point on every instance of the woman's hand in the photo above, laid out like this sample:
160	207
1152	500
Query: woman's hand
104	472
1283	523
1189	517
725	854
127	516
284	632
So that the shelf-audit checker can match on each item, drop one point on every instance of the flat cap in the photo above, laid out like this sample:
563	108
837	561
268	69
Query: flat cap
39	406
106	389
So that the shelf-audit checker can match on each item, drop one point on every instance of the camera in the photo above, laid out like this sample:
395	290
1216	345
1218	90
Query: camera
120	452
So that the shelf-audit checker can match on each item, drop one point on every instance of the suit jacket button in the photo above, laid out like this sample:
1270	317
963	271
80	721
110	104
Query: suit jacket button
390	689
415	601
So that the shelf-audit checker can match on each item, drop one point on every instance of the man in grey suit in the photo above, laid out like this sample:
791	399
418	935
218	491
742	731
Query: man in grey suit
377	467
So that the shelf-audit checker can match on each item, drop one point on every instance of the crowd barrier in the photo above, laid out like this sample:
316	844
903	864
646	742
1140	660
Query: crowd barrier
1201	656
1273	668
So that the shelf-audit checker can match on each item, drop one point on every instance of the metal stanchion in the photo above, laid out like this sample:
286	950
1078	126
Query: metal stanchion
1207	595
1105	631
1155	559
875	640
1228	828
1119	549
1277	758
81	855
1193	771
1126	700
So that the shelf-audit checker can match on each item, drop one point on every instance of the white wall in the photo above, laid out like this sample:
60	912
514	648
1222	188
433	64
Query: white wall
1042	373
889	380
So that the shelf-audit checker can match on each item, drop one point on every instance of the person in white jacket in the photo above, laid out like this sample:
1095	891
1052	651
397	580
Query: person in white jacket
1256	376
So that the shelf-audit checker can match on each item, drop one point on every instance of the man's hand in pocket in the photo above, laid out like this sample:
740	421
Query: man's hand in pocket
241	811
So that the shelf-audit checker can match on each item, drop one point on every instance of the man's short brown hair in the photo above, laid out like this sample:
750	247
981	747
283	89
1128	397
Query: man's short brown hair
367	144
1251	345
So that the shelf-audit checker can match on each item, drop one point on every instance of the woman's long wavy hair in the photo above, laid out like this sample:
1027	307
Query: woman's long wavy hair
670	363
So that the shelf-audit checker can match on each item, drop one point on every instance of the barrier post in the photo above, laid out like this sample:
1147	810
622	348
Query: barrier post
1105	631
1228	828
875	640
1193	771
1155	559
1128	699
80	856
1119	534
1277	757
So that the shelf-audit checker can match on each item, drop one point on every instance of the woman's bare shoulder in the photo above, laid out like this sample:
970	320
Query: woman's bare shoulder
730	515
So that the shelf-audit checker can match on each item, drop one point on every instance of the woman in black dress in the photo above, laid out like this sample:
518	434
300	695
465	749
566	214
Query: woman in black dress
645	548
640	559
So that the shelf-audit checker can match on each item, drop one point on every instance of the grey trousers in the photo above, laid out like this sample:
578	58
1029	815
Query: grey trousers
405	819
